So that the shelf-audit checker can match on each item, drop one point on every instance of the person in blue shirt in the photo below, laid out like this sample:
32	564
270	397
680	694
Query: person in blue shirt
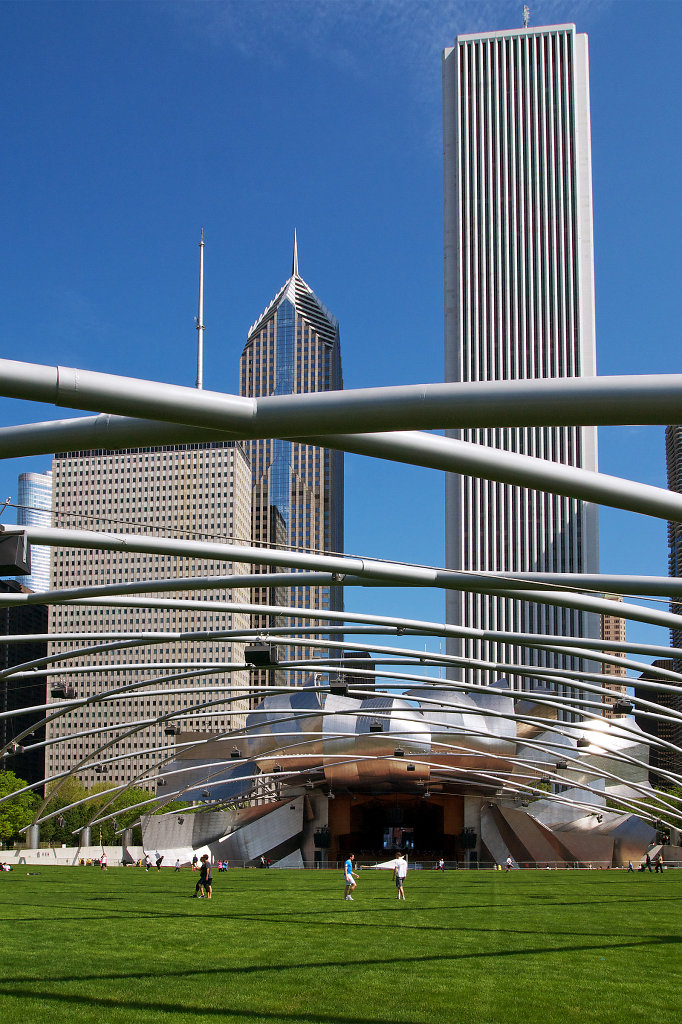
349	876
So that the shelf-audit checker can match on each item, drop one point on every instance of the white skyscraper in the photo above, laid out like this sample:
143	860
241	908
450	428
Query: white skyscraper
519	304
34	508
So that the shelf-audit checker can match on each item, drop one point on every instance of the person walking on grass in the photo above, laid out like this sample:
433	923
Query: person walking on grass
400	874
205	879
349	876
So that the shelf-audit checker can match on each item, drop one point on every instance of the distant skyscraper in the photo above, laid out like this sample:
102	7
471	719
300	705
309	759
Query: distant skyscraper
519	304
34	507
24	620
294	347
670	730
613	628
673	459
191	491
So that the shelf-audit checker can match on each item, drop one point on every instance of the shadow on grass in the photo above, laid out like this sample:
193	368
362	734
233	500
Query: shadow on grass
23	987
368	915
241	971
221	1012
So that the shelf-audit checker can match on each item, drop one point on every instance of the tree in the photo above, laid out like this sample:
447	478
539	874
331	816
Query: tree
64	827
672	795
17	813
61	828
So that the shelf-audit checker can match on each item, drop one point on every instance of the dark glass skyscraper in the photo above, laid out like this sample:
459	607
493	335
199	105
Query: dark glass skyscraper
294	348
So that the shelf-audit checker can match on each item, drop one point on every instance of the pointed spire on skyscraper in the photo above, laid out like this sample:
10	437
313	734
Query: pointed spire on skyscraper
294	262
200	317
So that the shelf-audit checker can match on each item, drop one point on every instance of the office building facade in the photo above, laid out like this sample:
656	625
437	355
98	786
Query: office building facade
613	629
519	304
672	731
34	505
673	461
29	621
292	348
191	491
668	729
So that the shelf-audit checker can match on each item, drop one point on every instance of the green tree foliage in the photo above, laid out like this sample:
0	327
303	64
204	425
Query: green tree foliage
672	795
15	814
61	828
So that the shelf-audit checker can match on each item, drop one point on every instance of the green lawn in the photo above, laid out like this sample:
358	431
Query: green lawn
529	947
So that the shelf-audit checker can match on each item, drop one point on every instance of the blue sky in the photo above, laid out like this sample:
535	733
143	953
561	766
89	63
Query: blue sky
129	126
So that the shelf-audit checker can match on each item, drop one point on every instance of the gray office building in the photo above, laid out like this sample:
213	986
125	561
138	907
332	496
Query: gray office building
186	491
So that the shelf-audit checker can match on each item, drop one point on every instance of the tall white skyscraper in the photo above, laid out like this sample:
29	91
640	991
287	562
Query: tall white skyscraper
34	508
519	304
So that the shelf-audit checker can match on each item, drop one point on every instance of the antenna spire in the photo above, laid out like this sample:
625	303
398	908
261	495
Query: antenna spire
200	317
526	15
294	262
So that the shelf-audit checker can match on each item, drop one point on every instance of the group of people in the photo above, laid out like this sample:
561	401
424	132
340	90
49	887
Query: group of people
350	876
158	860
650	865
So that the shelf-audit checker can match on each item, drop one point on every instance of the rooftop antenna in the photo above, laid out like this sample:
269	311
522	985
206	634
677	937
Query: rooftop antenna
526	15
200	317
294	262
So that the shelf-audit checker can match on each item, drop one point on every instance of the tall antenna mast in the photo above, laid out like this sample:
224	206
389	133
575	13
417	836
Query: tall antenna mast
526	15
200	317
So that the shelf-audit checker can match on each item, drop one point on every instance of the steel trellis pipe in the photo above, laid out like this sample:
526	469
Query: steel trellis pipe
564	401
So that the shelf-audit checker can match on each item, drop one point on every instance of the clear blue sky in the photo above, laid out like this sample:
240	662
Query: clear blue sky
128	126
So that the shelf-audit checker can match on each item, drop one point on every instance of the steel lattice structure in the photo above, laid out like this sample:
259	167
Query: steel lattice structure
520	742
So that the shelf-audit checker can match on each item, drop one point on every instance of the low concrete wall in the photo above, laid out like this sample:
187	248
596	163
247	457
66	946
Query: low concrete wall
116	855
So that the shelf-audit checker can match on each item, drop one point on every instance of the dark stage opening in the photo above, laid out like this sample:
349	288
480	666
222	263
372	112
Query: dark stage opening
379	827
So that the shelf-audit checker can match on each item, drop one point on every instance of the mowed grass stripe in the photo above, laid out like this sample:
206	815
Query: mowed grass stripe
83	945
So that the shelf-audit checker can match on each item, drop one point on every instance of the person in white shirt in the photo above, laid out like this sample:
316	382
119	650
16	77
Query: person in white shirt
400	873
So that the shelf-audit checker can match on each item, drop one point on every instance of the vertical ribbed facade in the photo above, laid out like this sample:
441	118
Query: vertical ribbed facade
519	283
294	347
670	730
34	505
673	461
